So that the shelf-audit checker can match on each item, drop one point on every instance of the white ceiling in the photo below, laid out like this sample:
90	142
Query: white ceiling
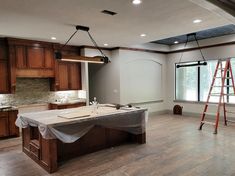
34	19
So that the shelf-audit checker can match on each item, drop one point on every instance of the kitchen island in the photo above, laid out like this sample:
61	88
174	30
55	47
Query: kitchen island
52	137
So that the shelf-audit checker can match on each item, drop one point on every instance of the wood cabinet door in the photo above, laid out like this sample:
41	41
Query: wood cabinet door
49	58
63	76
3	51
4	130
20	57
4	77
35	57
75	76
13	129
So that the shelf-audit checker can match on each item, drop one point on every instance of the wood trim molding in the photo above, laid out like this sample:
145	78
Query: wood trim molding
124	48
142	50
25	42
226	5
161	52
202	47
56	46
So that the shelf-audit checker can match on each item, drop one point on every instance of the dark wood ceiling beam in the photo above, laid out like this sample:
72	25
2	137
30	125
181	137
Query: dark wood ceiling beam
226	5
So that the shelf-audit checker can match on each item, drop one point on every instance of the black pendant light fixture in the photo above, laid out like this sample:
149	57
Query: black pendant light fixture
199	63
97	59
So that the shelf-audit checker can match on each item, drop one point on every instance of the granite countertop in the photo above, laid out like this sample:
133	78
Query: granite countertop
8	108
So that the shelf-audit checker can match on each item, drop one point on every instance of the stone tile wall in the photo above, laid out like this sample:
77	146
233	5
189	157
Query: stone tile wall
35	91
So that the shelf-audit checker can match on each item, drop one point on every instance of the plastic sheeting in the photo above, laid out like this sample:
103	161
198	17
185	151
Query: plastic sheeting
51	125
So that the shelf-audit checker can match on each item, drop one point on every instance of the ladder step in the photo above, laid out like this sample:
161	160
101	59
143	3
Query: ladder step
222	77
209	123
209	113
224	86
230	94
214	95
230	121
218	94
230	112
213	104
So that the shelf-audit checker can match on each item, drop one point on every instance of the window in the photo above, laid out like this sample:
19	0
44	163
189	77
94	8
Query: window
186	81
206	76
193	83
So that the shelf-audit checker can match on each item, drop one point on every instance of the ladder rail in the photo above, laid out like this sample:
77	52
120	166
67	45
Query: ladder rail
208	97
224	76
231	72
221	93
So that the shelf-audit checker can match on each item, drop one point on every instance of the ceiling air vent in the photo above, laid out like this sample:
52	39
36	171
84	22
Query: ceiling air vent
107	12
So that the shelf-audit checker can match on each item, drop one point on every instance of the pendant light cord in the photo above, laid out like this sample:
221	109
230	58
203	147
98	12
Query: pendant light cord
92	39
199	47
95	44
195	37
69	39
184	48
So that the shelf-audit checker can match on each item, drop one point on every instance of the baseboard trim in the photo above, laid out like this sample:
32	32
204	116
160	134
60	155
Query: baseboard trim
158	113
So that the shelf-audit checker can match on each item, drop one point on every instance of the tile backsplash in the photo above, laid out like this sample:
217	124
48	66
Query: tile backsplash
35	91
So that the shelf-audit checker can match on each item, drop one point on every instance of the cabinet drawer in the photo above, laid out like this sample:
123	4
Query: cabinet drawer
34	149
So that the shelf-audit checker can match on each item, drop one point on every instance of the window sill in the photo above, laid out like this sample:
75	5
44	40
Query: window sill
199	102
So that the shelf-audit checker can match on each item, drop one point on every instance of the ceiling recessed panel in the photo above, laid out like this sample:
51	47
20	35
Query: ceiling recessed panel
204	34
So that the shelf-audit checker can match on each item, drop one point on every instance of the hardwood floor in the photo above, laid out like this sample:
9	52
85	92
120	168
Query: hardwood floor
174	147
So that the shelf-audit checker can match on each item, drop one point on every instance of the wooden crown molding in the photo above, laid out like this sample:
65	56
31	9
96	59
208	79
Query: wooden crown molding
161	52
57	46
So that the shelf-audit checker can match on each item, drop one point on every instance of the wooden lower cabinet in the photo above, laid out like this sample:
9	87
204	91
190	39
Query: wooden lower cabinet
50	153
66	106
7	124
4	126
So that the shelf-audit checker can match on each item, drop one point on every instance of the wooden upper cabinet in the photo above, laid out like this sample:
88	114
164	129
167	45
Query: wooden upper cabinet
32	59
3	52
20	55
35	57
4	76
49	58
4	68
75	76
68	76
63	78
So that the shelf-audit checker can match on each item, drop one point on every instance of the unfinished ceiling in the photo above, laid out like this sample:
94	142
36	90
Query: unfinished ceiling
158	19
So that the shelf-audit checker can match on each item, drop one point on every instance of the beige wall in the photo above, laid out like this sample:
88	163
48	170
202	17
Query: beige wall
106	80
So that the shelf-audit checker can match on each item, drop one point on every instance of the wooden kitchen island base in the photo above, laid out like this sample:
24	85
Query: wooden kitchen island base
49	153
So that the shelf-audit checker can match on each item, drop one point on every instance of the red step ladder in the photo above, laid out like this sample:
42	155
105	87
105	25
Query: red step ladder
225	75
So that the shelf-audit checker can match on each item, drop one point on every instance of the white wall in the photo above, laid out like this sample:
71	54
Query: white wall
127	56
106	80
209	53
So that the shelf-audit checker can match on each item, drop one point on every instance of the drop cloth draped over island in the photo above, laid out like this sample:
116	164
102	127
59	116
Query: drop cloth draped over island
54	124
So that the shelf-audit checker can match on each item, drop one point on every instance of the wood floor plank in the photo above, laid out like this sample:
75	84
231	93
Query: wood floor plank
174	147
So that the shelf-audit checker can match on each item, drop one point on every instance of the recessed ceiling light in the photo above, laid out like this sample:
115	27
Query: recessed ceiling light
197	21
106	44
176	42
142	35
136	2
53	38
